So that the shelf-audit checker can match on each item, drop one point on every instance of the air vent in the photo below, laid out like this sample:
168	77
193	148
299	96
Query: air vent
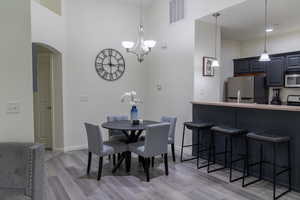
176	10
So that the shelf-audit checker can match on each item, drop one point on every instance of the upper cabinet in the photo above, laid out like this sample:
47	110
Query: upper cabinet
241	66
275	72
275	69
256	66
293	62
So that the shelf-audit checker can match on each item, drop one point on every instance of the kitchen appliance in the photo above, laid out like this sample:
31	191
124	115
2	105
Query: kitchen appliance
293	100
276	97
292	80
251	89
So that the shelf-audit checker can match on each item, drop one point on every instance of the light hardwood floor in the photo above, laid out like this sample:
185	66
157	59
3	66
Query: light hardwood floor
67	180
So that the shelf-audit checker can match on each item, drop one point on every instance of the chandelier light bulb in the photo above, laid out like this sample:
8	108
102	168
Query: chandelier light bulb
127	44
150	43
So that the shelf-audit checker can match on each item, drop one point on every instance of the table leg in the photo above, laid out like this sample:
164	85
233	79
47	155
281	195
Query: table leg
120	161
128	161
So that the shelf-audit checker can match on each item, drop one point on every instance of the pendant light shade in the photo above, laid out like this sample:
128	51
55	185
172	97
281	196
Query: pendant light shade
215	62
264	57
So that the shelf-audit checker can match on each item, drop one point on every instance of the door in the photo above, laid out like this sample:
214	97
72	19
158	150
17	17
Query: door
275	72
43	105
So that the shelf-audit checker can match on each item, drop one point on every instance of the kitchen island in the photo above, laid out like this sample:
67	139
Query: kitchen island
278	120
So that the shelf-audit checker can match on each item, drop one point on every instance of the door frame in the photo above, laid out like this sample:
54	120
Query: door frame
56	73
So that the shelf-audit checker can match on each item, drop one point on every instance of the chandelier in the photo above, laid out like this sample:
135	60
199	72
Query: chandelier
142	47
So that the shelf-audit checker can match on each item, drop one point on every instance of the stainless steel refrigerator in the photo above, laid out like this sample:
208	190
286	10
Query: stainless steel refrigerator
252	89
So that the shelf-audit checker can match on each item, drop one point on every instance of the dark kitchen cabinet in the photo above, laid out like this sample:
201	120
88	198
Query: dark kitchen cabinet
275	72
241	66
257	66
293	62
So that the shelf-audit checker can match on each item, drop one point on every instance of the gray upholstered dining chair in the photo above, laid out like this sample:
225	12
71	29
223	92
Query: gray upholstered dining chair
100	148
156	143
171	138
22	173
115	135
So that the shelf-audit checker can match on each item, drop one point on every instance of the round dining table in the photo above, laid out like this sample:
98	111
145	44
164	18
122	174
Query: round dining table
132	133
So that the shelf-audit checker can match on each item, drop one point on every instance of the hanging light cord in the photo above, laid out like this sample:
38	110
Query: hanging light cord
216	37
266	24
141	12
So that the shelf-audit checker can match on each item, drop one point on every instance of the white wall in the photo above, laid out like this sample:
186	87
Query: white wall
206	88
91	27
15	71
230	50
280	43
173	67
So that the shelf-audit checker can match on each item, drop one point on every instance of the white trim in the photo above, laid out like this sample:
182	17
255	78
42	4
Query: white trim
75	148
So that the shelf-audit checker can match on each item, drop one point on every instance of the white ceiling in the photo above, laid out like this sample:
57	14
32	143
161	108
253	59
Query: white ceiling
246	20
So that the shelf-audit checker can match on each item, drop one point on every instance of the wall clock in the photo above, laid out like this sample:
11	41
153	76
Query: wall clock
110	64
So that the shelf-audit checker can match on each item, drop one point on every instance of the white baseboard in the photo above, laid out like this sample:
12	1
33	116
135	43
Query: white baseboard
70	148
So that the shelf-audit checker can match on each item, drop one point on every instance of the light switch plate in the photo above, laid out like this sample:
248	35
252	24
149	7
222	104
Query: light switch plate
84	98
13	108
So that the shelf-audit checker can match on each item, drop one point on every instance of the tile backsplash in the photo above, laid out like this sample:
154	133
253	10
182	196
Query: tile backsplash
284	93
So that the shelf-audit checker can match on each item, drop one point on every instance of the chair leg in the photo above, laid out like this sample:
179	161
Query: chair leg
182	144
166	164
89	163
274	171
152	161
246	168
289	166
147	166
173	152
100	168
261	162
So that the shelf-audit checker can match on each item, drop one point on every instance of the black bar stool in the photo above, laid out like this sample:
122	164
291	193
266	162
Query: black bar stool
199	127
229	133
274	141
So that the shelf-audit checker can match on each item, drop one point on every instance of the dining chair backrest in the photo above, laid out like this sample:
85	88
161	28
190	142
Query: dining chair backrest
114	118
94	136
156	140
172	121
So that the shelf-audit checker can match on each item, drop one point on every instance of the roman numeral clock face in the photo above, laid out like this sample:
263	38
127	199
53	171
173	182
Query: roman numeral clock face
110	64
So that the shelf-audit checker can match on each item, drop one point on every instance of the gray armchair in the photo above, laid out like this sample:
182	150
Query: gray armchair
98	147
171	139
115	135
156	143
22	172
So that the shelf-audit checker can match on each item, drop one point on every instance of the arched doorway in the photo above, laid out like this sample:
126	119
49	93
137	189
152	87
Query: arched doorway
47	95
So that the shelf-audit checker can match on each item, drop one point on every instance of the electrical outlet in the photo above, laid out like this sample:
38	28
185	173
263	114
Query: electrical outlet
13	108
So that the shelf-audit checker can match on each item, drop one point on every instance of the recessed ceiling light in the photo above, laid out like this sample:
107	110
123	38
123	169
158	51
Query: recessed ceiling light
269	30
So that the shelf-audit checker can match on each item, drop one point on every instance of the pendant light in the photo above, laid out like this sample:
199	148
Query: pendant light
265	56
215	62
141	47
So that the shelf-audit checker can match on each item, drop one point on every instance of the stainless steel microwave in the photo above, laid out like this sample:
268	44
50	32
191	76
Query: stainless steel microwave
292	80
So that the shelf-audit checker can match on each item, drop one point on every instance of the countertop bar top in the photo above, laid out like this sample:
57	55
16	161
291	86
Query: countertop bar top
249	105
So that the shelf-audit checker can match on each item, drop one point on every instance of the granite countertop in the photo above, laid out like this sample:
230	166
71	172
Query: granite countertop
250	105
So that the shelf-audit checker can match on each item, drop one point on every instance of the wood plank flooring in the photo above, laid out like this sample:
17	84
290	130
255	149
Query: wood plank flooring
67	180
